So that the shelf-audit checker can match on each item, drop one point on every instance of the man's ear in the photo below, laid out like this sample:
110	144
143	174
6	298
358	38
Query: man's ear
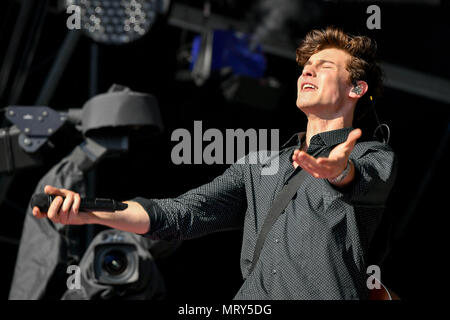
359	89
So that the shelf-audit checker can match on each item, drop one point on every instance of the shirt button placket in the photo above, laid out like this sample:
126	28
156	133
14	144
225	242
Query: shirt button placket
274	269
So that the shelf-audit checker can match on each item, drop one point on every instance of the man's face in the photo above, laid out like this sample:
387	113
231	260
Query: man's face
326	72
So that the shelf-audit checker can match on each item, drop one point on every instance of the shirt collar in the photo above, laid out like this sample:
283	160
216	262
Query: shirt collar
322	139
296	139
330	138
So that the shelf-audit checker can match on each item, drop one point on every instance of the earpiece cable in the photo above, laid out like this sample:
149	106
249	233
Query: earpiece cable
380	125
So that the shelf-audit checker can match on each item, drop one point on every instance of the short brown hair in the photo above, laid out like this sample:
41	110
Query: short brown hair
362	66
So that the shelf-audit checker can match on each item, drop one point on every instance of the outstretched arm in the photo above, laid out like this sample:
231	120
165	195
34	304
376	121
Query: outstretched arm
215	206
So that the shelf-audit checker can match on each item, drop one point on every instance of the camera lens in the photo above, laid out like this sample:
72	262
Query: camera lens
115	262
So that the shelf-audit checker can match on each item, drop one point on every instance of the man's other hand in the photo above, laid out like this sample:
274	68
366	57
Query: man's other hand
64	208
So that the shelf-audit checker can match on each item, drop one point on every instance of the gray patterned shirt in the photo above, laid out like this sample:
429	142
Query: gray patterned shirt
317	249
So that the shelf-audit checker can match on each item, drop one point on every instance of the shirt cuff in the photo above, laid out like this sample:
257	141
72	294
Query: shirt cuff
350	190
154	213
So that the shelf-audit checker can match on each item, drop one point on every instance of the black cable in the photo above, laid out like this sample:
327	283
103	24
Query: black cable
380	125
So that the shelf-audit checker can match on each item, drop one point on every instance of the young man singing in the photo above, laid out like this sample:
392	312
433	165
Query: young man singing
317	248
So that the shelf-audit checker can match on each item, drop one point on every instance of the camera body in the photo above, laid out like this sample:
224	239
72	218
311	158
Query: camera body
118	264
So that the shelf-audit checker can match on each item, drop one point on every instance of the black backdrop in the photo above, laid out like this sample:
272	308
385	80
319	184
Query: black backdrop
412	36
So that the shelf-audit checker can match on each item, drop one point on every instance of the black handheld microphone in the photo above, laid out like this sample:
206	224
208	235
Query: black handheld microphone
43	201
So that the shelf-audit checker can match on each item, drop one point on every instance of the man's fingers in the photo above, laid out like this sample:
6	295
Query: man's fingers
303	156
54	191
76	203
346	147
310	170
54	209
308	160
318	168
326	164
357	132
64	212
67	203
295	154
304	160
353	136
38	214
309	163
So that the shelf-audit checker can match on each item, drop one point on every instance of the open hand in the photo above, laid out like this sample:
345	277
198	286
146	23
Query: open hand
331	167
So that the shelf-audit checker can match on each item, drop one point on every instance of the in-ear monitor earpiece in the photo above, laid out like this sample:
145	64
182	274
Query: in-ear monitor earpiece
357	90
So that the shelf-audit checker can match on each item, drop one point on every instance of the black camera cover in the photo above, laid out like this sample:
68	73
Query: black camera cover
139	280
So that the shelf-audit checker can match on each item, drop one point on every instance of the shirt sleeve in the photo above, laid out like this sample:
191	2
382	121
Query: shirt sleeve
216	206
375	173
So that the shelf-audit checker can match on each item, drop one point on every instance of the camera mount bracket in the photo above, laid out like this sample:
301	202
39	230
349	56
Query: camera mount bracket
36	124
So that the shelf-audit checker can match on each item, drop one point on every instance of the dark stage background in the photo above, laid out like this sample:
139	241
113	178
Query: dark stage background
413	35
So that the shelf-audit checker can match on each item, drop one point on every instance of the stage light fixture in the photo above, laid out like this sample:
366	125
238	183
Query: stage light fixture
116	21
